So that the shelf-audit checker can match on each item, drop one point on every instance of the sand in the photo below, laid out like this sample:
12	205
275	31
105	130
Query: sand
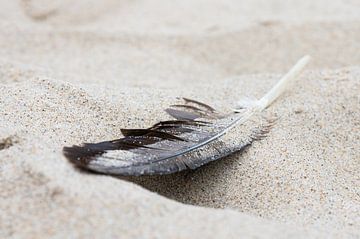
78	72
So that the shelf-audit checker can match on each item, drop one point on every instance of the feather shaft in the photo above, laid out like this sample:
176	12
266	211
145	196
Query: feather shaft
281	86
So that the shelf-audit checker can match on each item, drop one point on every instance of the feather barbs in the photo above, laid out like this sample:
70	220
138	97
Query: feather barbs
197	135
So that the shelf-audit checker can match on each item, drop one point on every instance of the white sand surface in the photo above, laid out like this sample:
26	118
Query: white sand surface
78	71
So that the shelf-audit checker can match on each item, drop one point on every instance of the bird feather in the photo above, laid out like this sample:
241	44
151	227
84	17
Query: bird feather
198	135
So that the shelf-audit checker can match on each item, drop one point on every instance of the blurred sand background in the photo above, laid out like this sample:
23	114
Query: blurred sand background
78	71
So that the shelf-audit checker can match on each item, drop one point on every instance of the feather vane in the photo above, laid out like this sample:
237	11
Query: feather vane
198	135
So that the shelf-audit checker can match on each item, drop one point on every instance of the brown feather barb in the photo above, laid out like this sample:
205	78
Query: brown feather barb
198	135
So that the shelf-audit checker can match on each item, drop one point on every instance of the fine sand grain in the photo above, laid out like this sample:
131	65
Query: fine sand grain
73	72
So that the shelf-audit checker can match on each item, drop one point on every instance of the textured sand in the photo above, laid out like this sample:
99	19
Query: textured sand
75	72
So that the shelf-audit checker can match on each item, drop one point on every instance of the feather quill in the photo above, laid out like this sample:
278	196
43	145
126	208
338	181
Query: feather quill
198	135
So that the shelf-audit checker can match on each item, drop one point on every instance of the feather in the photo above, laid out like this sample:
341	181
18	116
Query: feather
209	108
198	135
183	115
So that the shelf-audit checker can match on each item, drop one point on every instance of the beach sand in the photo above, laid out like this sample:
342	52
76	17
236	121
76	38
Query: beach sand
78	72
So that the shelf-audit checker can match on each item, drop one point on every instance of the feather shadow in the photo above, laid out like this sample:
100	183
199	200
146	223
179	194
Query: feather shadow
194	187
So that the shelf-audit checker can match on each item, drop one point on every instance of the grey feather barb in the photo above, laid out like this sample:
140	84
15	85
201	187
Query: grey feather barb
198	135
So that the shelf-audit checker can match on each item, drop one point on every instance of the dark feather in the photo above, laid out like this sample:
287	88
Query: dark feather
180	123
187	142
209	108
168	146
149	133
174	130
198	111
183	115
